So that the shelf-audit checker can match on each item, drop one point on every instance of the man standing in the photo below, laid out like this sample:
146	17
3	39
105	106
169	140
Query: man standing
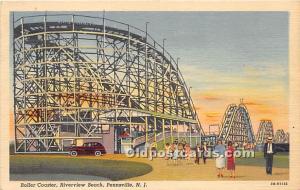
198	153
269	151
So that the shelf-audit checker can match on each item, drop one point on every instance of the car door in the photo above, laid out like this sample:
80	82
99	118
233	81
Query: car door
87	148
93	147
98	147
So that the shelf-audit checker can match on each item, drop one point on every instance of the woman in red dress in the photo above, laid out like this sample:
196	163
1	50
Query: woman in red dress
230	159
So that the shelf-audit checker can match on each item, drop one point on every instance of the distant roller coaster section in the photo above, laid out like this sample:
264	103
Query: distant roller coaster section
281	137
265	130
236	125
81	78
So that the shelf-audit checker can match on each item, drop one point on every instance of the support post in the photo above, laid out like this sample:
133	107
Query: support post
185	133
14	63
200	139
190	127
177	87
163	78
24	89
130	117
146	129
171	127
178	131
163	129
103	22
46	75
155	128
146	69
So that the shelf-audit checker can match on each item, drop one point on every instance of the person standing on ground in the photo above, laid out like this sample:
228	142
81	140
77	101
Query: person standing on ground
153	149
269	151
231	159
154	146
204	152
183	151
167	151
180	150
198	152
220	159
172	150
187	150
175	153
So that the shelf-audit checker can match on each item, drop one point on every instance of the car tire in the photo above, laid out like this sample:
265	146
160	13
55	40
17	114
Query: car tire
73	153
98	153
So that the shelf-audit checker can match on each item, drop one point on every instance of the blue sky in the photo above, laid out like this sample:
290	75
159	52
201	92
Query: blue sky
224	56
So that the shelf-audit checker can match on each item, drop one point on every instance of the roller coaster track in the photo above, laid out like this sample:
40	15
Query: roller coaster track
281	137
236	125
90	72
265	130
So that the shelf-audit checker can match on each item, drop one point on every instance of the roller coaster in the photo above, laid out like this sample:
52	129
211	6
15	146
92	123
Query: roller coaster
236	125
82	78
265	130
281	137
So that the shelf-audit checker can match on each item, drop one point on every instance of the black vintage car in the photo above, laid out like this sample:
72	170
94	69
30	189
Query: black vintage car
89	148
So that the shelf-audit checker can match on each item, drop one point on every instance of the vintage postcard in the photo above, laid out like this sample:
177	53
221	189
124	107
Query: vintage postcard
150	95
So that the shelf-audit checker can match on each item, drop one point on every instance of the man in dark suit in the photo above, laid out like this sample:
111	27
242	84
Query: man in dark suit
198	154
269	151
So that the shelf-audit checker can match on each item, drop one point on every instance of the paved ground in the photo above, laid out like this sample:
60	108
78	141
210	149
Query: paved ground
189	171
167	170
